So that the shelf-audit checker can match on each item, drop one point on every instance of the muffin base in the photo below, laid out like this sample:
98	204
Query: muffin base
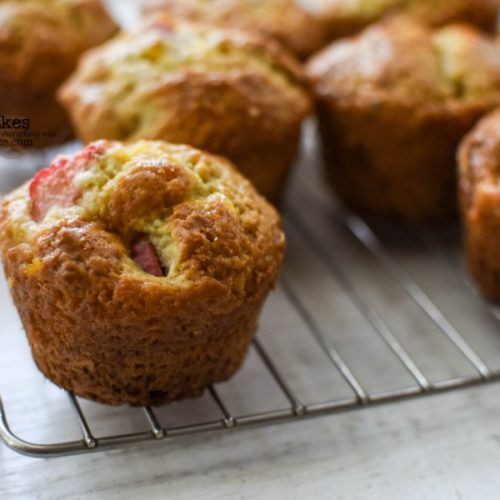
171	374
393	162
124	338
482	243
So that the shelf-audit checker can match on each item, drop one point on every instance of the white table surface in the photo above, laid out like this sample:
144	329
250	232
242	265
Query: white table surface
440	447
443	447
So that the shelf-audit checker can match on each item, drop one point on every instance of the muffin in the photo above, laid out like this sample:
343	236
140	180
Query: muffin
287	21
220	90
479	159
40	43
139	270
393	105
347	17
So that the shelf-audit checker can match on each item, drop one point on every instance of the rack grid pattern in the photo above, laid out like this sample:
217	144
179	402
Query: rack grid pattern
307	191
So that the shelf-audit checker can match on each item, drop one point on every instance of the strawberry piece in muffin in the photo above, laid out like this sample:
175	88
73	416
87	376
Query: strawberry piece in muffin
144	255
54	186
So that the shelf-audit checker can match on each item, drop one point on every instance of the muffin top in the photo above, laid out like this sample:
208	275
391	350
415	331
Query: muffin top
479	159
40	40
185	82
157	212
348	16
287	21
402	62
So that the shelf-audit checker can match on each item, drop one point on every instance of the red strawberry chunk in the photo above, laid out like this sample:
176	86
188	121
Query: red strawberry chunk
144	255
54	186
92	150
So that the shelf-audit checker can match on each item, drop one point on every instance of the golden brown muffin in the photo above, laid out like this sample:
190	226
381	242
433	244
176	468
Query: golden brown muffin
479	159
393	105
40	43
347	17
223	91
139	270
287	21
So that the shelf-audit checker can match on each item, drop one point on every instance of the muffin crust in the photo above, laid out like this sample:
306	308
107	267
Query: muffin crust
287	21
393	105
98	323
479	159
348	17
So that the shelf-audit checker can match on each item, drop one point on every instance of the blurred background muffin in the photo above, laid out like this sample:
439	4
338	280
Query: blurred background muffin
347	17
393	105
139	270
288	21
224	91
480	202
40	43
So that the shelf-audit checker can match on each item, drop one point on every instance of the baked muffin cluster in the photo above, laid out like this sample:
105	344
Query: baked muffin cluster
393	105
347	17
140	265
40	43
139	270
224	91
480	202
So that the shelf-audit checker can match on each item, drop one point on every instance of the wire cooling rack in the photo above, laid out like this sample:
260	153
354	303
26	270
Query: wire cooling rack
365	314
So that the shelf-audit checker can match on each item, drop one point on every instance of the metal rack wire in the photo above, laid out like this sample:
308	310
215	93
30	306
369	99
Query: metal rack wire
371	239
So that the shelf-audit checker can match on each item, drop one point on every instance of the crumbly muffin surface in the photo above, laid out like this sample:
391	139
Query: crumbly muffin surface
288	21
152	189
346	17
129	76
401	61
